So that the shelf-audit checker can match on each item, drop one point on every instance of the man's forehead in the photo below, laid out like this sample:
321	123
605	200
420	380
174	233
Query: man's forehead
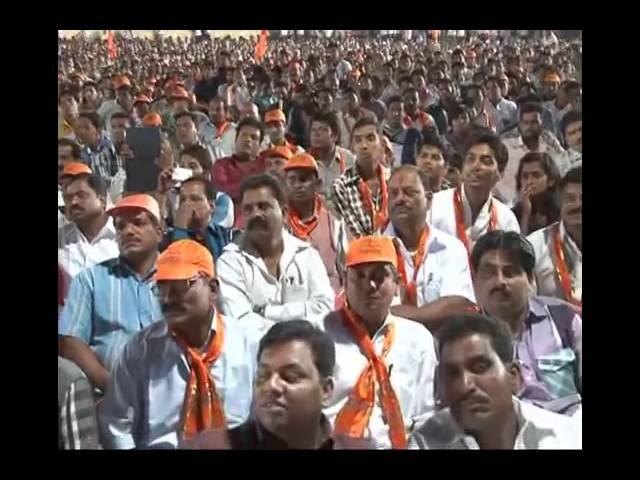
260	194
291	353
465	348
365	130
497	257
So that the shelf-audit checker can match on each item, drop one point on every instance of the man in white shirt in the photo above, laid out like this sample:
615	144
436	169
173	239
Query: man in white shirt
503	112
558	248
219	134
384	364
435	280
469	211
478	376
271	276
531	139
90	238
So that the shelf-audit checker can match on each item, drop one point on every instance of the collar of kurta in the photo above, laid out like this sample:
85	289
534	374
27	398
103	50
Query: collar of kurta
266	440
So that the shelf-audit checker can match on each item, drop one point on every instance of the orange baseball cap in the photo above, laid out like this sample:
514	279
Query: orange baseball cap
141	201
183	260
179	93
72	169
275	116
122	81
302	160
552	77
152	119
142	99
371	249
279	151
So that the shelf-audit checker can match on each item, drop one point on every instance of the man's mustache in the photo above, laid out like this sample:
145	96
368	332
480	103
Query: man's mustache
256	222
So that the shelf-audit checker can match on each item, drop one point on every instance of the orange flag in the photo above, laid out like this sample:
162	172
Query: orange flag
261	46
111	45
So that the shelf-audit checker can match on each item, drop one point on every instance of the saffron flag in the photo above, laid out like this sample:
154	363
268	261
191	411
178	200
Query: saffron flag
261	46
111	45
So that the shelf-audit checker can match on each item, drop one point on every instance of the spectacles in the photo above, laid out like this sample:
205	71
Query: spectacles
175	287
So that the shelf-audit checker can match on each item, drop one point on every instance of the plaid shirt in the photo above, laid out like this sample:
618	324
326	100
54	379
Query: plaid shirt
103	160
347	202
77	413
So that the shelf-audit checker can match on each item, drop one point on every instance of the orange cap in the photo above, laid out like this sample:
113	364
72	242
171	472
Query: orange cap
183	260
72	169
279	151
371	249
275	116
142	99
302	160
141	201
552	77
122	81
179	93
152	119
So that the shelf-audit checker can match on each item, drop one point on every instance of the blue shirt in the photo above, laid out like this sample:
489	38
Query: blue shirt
106	305
143	404
216	239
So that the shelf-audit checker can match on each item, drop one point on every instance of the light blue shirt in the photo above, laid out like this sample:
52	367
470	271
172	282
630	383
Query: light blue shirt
144	401
106	305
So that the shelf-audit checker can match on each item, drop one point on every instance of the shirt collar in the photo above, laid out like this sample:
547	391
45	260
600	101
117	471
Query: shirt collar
122	265
108	231
269	441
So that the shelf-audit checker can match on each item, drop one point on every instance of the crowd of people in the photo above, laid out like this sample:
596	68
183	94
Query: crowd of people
360	242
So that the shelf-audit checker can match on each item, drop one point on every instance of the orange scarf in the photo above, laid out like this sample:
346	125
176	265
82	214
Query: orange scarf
460	223
418	259
378	216
203	409
562	271
298	227
354	417
221	129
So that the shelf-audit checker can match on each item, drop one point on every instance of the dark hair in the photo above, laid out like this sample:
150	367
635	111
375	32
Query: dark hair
319	342
572	116
201	154
250	122
411	90
365	121
93	118
254	182
328	118
531	107
548	165
406	79
90	83
178	116
120	115
492	78
67	92
209	190
572	176
514	244
495	144
422	175
75	148
94	181
431	139
457	64
394	99
458	327
456	110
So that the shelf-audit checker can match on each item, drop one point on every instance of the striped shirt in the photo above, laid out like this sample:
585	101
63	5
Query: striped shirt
103	160
106	305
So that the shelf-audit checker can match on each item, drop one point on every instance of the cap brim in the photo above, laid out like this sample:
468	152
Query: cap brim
114	211
176	272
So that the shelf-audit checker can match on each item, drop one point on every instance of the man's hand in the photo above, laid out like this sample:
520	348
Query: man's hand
184	216
126	152
165	181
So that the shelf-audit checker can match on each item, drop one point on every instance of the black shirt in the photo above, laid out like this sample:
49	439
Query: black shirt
251	435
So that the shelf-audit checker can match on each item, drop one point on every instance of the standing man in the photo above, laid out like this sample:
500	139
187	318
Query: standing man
434	276
470	210
219	134
547	332
271	276
382	360
532	138
189	373
558	248
308	218
360	194
98	151
119	291
479	377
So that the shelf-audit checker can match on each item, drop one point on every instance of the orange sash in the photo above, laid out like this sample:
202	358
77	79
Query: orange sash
203	409
298	227
378	216
460	224
562	271
354	417
418	259
221	129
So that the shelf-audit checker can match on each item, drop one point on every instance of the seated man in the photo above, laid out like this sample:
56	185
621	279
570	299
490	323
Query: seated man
189	373
435	281
276	123
271	276
432	161
194	218
309	219
275	159
370	400
558	248
548	331
478	377
111	301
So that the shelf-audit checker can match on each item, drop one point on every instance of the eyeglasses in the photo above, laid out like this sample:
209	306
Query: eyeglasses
175	287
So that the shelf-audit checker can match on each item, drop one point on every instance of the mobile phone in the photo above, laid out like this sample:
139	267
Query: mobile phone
181	174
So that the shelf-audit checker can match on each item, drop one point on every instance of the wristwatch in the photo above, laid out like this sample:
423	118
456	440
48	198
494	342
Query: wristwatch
259	309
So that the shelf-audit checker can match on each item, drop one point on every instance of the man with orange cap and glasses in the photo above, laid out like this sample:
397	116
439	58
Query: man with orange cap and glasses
191	373
276	124
109	302
384	364
142	106
69	170
308	218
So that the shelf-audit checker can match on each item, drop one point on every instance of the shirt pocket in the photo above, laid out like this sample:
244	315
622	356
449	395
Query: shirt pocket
432	288
558	372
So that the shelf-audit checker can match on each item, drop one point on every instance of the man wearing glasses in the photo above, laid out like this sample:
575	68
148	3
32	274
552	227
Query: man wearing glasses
189	374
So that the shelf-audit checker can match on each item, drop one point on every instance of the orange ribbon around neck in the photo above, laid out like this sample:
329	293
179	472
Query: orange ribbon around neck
379	215
203	409
301	229
418	258
222	128
353	418
461	229
562	271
